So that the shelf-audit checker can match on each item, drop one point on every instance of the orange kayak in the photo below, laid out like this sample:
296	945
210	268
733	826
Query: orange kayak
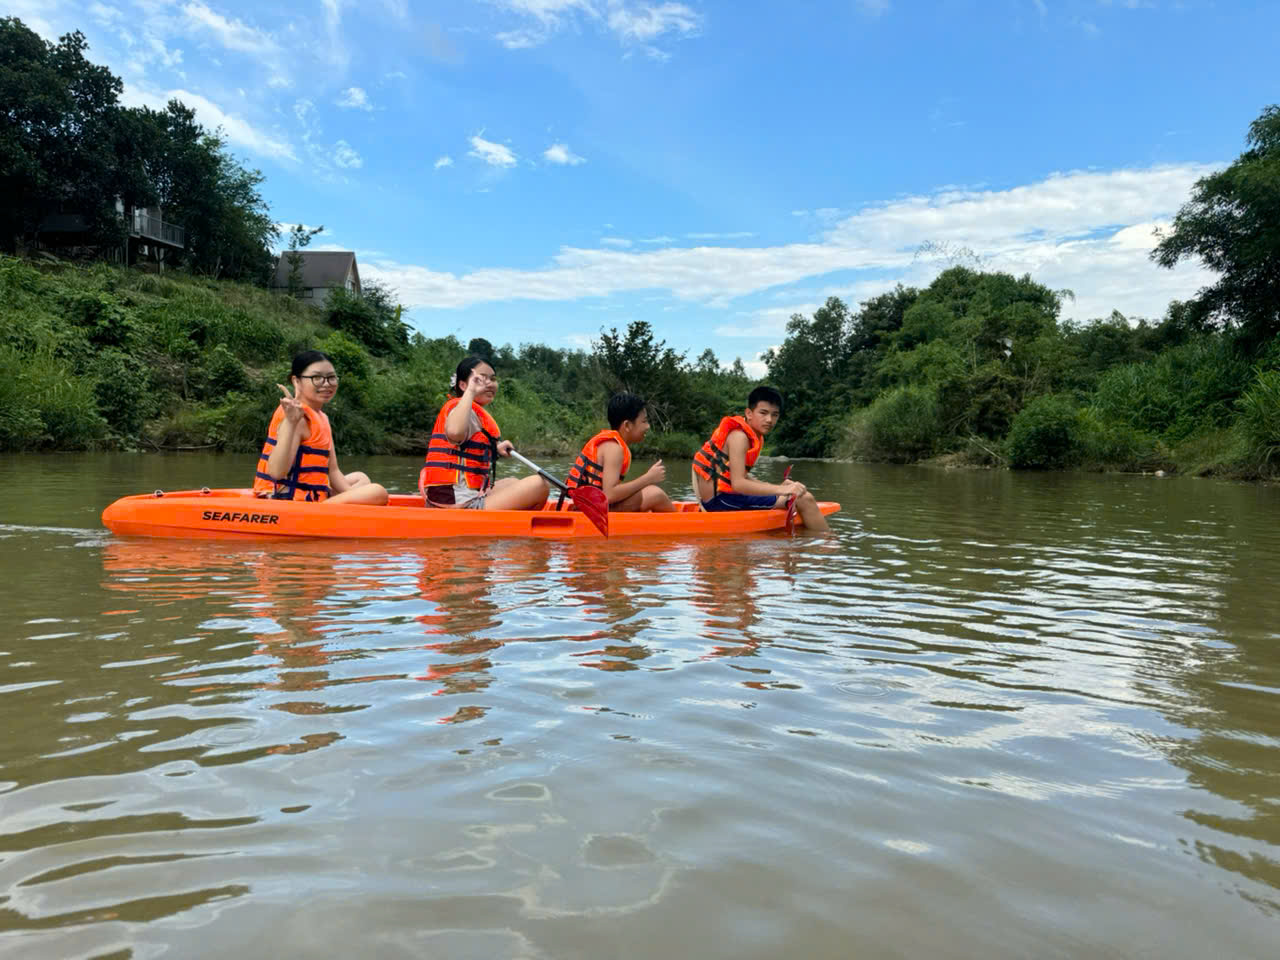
236	514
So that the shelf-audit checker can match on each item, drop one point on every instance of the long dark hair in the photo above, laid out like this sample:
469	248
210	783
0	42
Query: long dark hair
305	359
463	373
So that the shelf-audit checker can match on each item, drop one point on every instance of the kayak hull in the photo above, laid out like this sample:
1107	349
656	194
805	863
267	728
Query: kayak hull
237	515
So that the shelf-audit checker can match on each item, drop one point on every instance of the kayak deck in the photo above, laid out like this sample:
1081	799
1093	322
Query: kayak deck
237	514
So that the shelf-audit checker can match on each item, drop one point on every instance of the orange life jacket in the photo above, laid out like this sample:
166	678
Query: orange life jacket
472	459
308	478
586	471
712	461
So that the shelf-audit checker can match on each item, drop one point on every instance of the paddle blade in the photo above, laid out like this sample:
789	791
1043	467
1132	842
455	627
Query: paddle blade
593	504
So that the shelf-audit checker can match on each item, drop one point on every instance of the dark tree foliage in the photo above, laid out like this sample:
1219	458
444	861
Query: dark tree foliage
1232	224
633	362
68	147
57	132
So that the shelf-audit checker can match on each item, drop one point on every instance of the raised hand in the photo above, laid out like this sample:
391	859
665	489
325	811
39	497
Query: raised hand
656	474
293	410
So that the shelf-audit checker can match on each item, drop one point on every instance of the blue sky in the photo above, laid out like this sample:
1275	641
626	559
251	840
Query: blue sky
536	170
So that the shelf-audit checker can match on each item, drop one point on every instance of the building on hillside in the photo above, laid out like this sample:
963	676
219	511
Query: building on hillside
323	271
145	236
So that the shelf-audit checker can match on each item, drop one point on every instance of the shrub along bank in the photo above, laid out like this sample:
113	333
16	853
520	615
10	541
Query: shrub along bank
101	357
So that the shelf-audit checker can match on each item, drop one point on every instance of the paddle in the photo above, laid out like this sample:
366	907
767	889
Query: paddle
790	522
590	501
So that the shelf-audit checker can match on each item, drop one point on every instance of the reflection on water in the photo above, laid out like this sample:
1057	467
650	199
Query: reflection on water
994	715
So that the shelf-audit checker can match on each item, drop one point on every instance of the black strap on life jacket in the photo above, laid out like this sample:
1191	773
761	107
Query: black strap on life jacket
717	466
286	486
443	454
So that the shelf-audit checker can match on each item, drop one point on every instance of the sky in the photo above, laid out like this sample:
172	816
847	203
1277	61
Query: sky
542	170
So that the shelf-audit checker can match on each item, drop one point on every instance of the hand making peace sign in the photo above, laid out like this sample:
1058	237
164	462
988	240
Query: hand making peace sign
293	409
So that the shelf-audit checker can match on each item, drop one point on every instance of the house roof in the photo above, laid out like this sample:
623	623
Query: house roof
320	268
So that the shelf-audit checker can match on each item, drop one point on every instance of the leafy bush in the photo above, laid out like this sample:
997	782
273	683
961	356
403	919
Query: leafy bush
351	361
1185	389
370	319
123	392
253	336
222	373
1104	443
104	319
1259	420
902	424
20	424
1044	434
65	403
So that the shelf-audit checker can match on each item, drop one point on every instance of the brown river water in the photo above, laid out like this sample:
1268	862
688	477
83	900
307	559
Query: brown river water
993	715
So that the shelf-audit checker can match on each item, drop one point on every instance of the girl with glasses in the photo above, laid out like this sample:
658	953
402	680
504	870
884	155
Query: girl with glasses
298	460
464	446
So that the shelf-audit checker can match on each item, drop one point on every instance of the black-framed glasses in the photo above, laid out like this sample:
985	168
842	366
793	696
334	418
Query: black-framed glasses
321	379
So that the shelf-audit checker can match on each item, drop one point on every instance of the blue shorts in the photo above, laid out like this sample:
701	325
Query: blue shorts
740	501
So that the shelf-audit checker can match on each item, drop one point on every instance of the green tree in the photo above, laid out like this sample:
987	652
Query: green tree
635	363
1232	224
58	114
299	236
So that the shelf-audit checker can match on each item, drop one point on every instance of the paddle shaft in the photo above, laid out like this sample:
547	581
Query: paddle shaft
554	481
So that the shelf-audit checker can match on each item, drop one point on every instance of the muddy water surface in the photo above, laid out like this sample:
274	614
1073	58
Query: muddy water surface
994	715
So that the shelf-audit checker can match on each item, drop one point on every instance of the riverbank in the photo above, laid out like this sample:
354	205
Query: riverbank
99	357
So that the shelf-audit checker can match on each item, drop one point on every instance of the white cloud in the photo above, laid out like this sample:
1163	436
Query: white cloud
520	39
231	34
354	98
658	241
618	243
105	14
560	153
494	154
739	235
1089	231
757	369
345	156
445	161
337	53
634	24
238	130
646	23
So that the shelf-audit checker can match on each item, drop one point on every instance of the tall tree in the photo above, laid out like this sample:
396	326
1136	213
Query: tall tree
635	363
299	237
1232	224
57	117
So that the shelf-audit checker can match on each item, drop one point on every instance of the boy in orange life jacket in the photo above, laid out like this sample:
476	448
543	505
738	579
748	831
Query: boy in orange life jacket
605	459
720	467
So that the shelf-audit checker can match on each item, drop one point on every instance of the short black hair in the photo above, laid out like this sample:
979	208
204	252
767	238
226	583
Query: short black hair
767	394
305	359
624	407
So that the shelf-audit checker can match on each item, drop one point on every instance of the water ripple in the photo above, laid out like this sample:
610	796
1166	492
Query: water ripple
1011	701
